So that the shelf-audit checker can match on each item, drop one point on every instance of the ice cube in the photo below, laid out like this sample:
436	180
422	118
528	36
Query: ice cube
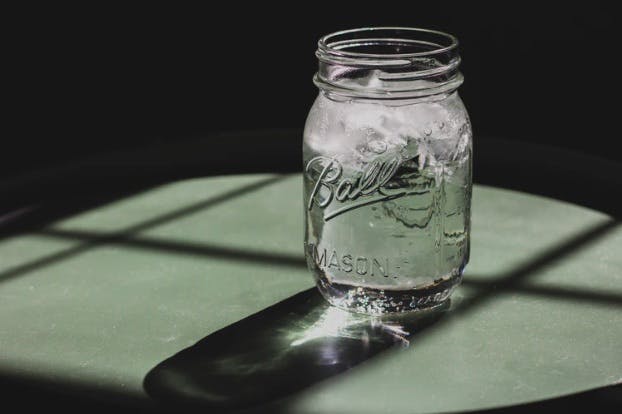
356	132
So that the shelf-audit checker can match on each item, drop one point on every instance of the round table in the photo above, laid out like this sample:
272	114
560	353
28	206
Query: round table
195	293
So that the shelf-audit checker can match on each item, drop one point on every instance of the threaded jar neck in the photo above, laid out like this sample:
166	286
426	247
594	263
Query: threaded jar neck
388	63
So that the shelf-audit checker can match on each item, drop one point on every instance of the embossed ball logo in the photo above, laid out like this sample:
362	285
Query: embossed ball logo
336	194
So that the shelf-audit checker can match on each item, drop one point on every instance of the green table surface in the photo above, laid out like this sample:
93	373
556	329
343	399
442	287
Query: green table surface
102	299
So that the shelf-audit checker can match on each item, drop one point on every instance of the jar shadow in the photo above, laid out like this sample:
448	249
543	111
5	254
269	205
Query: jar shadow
277	352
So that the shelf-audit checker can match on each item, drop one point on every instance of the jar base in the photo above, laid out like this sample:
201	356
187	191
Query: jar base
373	301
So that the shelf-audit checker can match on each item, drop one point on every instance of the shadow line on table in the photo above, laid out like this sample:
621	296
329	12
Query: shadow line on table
106	238
522	272
298	263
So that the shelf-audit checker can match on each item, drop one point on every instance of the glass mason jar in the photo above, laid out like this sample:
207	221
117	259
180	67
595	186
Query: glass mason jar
387	170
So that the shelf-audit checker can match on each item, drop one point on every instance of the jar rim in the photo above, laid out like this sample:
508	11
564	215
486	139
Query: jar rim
329	48
388	63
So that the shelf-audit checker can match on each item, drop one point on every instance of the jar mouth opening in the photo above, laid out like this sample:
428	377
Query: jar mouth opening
385	45
388	63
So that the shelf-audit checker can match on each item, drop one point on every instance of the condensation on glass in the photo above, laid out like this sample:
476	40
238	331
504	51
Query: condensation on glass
387	170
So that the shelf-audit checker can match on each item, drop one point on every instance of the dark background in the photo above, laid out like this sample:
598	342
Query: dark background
96	80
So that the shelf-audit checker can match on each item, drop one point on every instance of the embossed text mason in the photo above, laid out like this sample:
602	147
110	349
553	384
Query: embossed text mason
387	170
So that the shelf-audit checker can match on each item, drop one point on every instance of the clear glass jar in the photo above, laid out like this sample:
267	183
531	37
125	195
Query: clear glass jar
387	170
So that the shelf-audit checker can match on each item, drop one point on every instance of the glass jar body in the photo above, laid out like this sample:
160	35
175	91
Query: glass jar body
387	198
